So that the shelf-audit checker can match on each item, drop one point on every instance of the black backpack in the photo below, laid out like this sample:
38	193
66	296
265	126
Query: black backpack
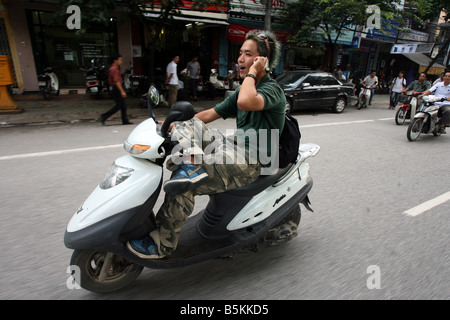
289	140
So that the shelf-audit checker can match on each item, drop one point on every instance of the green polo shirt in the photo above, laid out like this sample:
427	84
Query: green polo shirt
252	122
416	86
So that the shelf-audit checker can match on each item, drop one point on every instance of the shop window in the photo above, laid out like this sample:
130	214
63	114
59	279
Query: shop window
54	45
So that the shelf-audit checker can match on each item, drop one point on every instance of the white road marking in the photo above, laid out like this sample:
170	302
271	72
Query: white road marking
334	123
58	152
421	208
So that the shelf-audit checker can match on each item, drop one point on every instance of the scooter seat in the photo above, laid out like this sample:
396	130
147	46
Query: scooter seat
262	183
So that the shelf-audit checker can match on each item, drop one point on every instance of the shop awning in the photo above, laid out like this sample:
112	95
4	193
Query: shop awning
423	61
207	18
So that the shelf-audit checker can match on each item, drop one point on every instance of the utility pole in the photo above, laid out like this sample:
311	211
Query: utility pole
268	16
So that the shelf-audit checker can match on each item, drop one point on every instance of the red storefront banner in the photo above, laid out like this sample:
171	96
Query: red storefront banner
236	33
188	5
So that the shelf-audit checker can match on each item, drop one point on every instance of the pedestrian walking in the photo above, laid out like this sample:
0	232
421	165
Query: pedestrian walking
172	80
398	84
193	69
117	91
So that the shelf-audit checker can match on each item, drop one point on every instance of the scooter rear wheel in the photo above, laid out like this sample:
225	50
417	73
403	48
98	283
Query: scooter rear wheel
120	273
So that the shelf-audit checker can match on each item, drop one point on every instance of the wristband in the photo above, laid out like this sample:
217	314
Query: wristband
251	76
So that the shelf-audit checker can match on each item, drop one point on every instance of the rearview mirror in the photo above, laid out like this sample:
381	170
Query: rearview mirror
152	100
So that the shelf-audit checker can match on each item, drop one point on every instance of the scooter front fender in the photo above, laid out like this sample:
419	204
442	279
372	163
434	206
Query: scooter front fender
133	192
420	115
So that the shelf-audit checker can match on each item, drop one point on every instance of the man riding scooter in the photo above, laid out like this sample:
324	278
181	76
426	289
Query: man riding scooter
442	90
419	85
192	176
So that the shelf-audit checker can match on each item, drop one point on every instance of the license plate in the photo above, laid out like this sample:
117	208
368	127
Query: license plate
135	83
41	83
94	89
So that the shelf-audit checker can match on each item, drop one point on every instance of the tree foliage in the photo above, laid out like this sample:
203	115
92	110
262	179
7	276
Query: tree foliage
316	19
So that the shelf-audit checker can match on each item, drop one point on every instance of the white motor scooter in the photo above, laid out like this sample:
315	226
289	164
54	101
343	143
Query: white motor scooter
121	208
364	97
426	120
48	83
216	81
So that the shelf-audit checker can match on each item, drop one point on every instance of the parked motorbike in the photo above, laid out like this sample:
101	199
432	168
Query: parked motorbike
48	83
217	81
426	120
364	97
132	83
227	82
407	107
97	81
266	212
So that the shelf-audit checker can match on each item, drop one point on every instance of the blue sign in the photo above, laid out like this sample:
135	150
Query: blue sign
387	33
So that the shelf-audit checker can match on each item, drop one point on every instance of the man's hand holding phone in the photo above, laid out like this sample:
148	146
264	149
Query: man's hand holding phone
260	65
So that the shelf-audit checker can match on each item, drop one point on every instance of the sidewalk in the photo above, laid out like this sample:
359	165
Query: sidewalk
76	108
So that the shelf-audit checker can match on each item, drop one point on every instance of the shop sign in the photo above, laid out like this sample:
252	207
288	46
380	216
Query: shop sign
401	48
413	35
386	33
236	33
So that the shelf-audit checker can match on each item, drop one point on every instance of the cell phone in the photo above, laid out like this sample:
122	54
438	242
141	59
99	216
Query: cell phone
266	66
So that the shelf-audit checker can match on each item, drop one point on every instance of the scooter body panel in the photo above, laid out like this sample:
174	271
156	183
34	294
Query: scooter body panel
263	205
104	203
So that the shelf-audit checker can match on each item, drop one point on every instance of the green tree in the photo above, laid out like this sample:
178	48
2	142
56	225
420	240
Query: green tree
314	20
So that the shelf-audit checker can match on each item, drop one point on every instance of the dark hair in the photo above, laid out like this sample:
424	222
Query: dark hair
114	57
267	45
373	71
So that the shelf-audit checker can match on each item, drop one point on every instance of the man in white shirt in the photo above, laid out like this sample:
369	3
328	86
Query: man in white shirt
371	81
396	88
442	89
172	80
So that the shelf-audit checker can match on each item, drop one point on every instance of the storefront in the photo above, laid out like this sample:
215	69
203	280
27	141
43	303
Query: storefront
54	45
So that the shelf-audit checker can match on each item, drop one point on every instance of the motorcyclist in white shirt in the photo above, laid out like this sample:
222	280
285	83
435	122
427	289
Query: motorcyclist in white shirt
442	89
371	81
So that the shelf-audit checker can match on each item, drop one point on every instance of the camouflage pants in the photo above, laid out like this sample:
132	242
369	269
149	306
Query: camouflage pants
226	163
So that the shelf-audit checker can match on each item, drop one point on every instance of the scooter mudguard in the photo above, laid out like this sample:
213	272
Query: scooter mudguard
135	195
419	115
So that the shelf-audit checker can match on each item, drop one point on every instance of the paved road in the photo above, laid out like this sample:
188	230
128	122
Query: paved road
365	177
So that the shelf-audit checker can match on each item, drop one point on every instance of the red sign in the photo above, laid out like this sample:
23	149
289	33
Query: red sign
236	33
186	4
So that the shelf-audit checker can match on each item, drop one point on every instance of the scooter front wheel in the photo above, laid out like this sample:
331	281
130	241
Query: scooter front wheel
400	116
97	277
414	129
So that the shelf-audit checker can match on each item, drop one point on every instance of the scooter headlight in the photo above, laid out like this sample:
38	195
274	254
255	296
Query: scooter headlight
115	175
